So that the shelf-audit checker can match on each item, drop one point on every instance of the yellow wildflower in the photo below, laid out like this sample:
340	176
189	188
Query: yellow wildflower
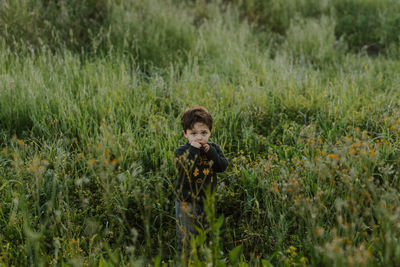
333	156
320	231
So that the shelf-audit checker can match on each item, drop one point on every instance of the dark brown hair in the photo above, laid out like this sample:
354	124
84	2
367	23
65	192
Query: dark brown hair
196	114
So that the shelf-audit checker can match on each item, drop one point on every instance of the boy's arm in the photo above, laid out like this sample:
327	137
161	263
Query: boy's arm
187	156
217	156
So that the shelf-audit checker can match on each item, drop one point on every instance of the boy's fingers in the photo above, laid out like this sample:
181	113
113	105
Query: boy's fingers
196	144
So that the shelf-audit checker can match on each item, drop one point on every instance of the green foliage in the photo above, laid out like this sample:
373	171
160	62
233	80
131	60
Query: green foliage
311	131
53	24
313	40
276	16
371	26
154	32
234	255
365	26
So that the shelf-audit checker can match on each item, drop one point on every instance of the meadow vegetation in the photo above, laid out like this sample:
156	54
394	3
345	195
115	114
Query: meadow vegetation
306	100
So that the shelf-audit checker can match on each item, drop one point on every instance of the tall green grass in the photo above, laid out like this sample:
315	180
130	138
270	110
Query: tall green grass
88	133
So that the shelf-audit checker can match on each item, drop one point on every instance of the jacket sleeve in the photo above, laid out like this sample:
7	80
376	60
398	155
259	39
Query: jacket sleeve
217	156
186	157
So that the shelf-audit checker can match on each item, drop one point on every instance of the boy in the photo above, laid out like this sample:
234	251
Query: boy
197	163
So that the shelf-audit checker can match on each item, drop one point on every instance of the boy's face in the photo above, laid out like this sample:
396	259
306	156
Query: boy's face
199	133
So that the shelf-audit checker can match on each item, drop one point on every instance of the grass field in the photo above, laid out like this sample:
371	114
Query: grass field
307	111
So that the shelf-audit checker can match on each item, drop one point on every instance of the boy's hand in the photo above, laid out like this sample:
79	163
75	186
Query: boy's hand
195	144
206	147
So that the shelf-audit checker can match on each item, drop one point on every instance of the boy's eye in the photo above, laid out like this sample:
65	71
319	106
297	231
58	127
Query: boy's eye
204	132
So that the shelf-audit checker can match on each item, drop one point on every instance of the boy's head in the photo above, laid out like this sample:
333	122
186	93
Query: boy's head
197	124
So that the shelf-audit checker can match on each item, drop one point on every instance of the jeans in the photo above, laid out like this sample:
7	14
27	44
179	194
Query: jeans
188	215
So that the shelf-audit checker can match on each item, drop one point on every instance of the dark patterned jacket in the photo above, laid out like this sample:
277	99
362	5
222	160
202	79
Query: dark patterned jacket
197	170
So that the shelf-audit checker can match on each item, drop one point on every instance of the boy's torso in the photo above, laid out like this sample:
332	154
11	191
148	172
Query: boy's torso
201	176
